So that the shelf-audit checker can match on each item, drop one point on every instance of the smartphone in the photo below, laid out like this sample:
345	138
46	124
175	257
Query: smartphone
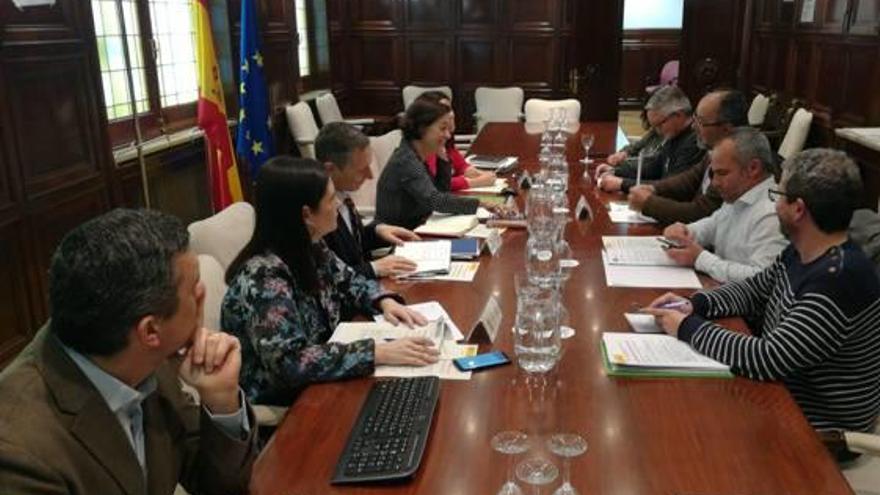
481	361
669	243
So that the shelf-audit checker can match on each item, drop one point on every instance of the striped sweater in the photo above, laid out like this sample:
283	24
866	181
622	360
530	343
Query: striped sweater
816	327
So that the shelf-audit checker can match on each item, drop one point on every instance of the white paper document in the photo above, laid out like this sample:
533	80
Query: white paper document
658	277
433	310
483	232
642	323
635	250
430	257
621	213
496	188
656	351
448	225
348	332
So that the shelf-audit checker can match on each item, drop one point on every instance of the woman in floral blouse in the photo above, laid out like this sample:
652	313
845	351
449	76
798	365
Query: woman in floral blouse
288	291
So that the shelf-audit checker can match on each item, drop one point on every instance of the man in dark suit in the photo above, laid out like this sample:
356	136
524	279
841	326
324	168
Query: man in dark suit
346	153
94	404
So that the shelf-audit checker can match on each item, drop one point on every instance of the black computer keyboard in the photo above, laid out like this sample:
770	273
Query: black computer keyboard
390	433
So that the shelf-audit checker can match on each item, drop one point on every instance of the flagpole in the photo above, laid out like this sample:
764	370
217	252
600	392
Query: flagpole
145	186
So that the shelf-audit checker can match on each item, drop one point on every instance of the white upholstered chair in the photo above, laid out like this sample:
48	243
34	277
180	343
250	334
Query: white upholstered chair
538	110
328	111
302	127
863	474
758	110
225	234
383	146
410	93
498	105
796	135
217	241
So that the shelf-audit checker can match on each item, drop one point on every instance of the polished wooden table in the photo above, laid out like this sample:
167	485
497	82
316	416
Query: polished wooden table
645	436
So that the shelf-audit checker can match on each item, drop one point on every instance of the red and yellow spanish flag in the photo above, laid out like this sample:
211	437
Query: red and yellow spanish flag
222	170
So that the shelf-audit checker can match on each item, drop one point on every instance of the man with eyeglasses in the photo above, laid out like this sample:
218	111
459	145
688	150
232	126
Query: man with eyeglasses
689	196
814	314
669	114
742	237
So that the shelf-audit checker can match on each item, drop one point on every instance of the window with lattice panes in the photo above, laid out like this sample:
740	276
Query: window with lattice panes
161	43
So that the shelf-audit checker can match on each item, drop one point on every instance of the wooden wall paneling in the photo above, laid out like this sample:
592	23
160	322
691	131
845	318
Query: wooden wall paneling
861	76
711	33
375	14
532	15
432	15
644	53
532	61
428	60
478	14
803	83
594	49
19	320
866	19
477	61
831	64
53	102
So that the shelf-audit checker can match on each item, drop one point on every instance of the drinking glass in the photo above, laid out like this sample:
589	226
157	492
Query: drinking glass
510	443
536	472
536	339
566	445
587	142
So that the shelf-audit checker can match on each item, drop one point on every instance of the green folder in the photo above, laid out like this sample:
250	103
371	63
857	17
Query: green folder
621	371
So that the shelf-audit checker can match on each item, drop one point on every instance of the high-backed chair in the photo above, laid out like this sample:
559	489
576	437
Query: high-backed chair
225	234
758	110
668	75
328	111
538	110
498	105
212	275
410	93
796	135
302	127
383	146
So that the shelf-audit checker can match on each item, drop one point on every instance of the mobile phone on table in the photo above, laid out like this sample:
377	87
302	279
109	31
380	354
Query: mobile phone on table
481	361
668	243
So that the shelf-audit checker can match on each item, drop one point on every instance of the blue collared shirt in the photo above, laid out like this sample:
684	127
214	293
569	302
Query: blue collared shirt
125	403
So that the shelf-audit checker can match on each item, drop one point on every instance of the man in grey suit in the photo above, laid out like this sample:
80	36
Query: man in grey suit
864	230
94	404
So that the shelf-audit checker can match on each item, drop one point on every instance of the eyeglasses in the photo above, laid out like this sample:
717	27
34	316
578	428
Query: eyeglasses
665	119
702	123
774	194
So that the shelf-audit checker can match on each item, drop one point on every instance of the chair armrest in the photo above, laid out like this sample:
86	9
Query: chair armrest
863	443
363	121
465	138
269	415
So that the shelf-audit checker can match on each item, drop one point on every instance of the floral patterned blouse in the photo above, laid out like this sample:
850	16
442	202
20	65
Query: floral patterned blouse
284	330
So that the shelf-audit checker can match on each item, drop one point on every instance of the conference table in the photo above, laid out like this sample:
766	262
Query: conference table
686	436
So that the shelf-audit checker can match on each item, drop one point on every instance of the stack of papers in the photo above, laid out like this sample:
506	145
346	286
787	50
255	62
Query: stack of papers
459	271
491	162
622	213
643	251
448	226
656	277
430	257
496	188
650	355
435	330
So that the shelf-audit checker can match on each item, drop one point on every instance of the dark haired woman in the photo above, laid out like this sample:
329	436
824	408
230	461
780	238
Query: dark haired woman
407	192
288	291
464	175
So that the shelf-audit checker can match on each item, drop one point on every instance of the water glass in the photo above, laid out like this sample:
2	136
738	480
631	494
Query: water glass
537	344
510	443
537	472
587	142
566	445
542	260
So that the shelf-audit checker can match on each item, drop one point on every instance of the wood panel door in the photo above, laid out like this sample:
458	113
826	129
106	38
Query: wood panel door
593	75
711	37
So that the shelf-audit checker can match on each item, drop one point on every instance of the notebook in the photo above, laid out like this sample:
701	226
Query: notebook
466	248
448	226
492	162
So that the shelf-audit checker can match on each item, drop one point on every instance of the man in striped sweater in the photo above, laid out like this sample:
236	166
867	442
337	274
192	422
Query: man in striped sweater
814	313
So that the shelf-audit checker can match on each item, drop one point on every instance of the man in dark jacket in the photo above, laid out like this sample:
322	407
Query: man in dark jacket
669	114
346	153
688	196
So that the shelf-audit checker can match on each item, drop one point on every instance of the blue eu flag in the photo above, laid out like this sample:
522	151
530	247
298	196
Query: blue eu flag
254	123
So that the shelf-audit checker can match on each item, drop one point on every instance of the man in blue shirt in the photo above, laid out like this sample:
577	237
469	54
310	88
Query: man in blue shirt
94	403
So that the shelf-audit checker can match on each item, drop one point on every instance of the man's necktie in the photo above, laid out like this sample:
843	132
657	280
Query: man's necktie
357	226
